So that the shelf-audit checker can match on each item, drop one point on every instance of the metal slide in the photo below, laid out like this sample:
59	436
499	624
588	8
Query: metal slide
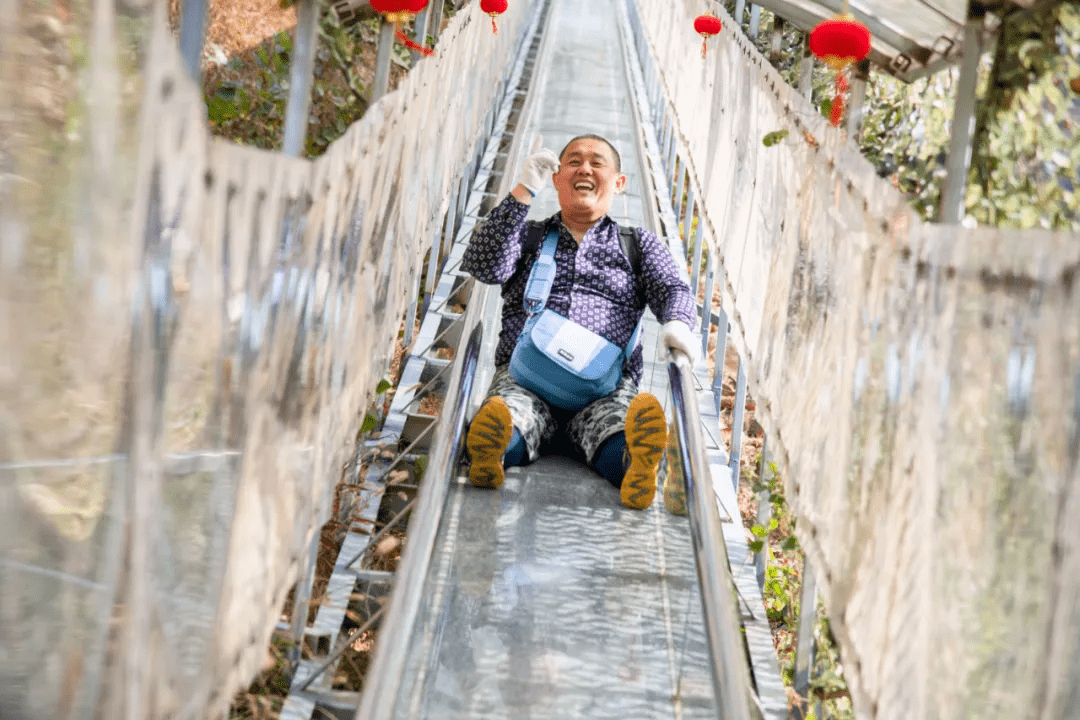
547	598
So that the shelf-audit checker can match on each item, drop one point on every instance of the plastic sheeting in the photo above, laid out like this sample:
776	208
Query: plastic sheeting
189	332
922	386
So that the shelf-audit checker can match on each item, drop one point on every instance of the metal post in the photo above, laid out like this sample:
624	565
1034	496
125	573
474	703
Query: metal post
451	218
382	61
695	271
300	76
410	312
764	512
740	8
777	40
755	21
666	129
436	18
302	602
804	640
420	31
192	36
688	215
680	185
434	259
738	411
718	359
963	123
806	71
672	151
706	303
857	106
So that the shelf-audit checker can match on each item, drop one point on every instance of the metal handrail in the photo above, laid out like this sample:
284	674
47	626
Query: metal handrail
383	682
731	675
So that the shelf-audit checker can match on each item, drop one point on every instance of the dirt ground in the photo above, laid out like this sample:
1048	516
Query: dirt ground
236	25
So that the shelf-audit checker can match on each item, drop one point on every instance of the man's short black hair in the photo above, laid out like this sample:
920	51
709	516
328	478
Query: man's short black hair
590	136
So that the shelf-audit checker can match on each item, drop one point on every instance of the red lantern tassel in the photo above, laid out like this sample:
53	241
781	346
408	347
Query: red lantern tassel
836	113
410	44
494	28
704	45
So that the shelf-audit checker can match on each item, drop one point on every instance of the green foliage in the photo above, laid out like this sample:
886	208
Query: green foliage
249	105
774	137
1026	165
782	597
371	421
1026	152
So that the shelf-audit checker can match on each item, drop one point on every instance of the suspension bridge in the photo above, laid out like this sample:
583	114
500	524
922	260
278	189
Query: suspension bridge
191	330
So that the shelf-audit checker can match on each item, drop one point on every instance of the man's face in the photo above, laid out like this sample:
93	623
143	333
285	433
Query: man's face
587	179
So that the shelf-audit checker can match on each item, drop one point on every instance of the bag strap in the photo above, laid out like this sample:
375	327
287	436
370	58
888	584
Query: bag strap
542	276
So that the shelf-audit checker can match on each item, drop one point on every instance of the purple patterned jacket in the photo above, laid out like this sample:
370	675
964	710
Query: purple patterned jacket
594	283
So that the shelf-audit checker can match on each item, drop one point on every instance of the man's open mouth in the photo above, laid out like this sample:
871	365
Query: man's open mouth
584	185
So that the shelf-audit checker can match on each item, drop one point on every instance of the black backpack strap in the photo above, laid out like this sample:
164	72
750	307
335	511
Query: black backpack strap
534	238
628	238
631	247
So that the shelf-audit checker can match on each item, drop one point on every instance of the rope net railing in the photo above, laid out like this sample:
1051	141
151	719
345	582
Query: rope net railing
920	384
188	330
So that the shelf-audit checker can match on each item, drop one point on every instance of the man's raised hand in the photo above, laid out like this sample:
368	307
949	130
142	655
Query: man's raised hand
538	168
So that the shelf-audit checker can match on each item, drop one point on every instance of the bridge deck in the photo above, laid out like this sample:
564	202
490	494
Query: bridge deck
547	598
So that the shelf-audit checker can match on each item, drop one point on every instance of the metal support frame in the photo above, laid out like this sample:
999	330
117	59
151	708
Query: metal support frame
764	512
680	187
857	106
776	45
193	36
672	149
804	640
420	25
300	76
706	306
755	21
381	82
963	123
738	412
740	9
695	270
436	18
806	71
301	603
688	215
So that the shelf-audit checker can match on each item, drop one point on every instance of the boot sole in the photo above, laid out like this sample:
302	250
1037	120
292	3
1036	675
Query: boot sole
646	439
489	435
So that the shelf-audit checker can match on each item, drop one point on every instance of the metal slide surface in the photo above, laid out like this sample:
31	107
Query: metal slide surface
547	598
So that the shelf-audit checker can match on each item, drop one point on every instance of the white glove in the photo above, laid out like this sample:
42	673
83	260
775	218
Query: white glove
677	335
538	168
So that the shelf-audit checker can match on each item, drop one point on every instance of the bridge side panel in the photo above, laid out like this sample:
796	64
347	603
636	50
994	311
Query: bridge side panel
216	319
923	383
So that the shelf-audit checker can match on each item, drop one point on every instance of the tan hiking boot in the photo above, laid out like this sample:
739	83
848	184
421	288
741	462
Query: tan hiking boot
646	439
489	434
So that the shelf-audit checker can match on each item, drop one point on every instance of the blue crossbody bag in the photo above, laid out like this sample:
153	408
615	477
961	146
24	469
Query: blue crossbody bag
564	363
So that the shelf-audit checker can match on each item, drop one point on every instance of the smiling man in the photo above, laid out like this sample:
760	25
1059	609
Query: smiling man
603	281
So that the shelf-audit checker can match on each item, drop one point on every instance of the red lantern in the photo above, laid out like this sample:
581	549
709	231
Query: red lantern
493	8
706	26
839	42
398	11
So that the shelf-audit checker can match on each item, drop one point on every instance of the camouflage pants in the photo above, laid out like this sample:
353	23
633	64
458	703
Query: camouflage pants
539	423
